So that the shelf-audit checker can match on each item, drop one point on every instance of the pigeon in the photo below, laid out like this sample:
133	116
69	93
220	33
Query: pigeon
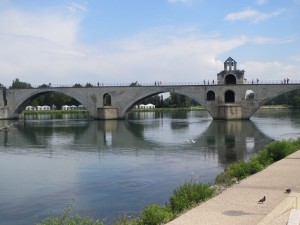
288	191
262	200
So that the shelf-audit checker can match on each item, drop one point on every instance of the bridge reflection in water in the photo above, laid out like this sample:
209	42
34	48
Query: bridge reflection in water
229	141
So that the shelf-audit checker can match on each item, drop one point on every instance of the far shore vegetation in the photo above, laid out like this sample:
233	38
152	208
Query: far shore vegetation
191	193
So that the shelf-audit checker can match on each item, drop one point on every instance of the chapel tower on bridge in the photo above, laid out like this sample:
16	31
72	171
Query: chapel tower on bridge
230	75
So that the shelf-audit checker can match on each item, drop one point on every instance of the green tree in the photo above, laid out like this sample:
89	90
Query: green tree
77	85
88	85
155	100
17	84
291	98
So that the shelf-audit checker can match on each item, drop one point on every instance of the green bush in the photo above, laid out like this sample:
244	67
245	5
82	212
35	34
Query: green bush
273	152
125	221
254	166
189	194
280	149
264	158
67	219
155	214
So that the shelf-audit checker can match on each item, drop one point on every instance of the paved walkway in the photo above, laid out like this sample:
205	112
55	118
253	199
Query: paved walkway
239	203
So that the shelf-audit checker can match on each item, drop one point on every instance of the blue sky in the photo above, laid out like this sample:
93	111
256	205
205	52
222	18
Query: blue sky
64	42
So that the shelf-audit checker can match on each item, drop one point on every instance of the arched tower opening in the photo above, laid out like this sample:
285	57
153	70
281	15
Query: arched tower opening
106	99
229	96
210	96
230	79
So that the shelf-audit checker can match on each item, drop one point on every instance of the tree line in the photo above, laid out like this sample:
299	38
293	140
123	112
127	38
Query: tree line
175	100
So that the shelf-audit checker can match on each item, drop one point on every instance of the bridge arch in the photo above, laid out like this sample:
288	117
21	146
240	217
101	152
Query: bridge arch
230	79
182	91
229	96
30	94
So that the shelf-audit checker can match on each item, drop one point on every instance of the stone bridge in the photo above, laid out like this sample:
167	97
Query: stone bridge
229	98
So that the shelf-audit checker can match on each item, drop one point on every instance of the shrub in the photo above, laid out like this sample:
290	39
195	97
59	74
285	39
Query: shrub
254	166
125	221
155	214
67	219
189	194
225	179
273	152
279	149
264	158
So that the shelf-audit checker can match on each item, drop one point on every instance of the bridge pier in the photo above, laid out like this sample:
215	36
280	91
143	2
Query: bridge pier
228	112
4	114
107	113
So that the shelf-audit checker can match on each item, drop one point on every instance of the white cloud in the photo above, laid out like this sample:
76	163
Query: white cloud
266	40
76	7
55	28
297	1
295	58
253	15
35	45
178	1
262	2
269	71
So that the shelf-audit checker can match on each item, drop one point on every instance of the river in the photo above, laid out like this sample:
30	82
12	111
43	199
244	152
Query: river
106	168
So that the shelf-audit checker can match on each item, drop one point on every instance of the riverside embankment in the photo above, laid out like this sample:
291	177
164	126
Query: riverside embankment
239	203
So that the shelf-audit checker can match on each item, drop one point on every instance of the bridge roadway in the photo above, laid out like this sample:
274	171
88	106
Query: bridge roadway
239	204
228	101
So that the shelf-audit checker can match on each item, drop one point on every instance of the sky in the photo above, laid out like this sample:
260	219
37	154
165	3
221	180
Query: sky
64	42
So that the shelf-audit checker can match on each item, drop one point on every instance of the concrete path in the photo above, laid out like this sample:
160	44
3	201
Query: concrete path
239	203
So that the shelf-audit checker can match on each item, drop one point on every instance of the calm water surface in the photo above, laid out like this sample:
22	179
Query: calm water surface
107	168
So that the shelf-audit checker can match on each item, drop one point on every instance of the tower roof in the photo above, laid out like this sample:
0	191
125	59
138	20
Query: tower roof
230	60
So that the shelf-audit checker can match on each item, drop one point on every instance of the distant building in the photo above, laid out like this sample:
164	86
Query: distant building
65	107
80	107
29	108
149	106
45	107
142	106
73	107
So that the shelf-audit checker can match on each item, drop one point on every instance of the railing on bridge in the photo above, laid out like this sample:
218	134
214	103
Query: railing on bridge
206	83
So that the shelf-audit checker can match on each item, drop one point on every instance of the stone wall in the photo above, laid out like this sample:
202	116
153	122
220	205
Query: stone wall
107	113
3	113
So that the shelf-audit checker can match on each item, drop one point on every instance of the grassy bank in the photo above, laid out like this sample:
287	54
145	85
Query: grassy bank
276	107
191	193
54	112
193	108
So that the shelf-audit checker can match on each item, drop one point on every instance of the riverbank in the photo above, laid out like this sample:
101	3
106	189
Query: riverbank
55	114
276	107
193	108
239	203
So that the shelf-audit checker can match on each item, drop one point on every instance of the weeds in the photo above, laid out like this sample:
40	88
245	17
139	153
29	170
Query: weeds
273	152
67	219
189	194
